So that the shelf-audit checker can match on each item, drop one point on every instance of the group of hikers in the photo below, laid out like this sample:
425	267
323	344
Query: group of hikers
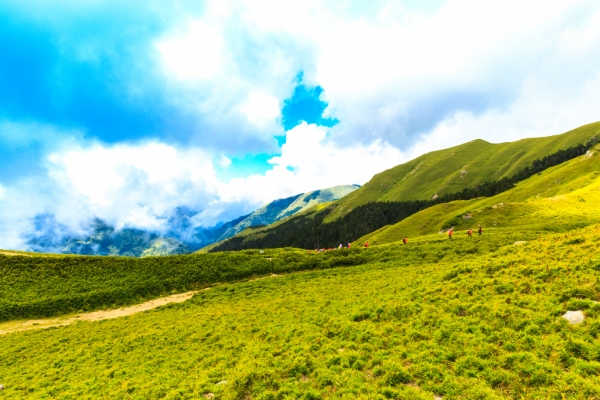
469	232
404	240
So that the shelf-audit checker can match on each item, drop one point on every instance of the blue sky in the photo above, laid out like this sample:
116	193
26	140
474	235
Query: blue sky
127	110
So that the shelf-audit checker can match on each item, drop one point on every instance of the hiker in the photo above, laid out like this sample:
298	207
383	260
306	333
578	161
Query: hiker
450	234
366	244
348	245
470	233
405	240
480	231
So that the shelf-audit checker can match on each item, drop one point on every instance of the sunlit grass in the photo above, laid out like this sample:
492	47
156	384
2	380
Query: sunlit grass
462	319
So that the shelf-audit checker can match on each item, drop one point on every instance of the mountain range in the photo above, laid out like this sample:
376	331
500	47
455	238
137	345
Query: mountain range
181	237
434	182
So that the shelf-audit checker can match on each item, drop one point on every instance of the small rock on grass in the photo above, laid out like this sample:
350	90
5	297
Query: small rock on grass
437	398
209	395
1	387
574	317
222	383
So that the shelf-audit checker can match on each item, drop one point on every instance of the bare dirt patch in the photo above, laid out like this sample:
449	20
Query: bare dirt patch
19	326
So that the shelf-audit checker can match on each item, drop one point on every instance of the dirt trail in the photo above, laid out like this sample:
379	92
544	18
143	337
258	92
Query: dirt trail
19	326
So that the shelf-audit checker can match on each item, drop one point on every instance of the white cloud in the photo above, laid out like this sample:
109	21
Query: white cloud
197	54
394	71
139	185
261	109
308	161
136	186
537	111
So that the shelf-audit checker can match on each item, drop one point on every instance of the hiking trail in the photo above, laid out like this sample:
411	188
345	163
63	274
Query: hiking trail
26	325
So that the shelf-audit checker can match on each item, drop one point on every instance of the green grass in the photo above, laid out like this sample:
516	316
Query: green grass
35	287
48	286
469	319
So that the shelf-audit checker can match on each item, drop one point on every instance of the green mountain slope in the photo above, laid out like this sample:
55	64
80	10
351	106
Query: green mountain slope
283	208
316	229
452	170
560	198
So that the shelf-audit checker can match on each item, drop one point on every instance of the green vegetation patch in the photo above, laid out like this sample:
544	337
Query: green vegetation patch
35	287
411	322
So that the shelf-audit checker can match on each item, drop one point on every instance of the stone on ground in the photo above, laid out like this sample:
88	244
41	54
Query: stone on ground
574	317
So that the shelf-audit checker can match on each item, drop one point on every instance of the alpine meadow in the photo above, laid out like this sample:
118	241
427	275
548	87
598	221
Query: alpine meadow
476	316
299	200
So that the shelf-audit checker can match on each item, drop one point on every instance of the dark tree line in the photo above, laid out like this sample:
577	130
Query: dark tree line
309	231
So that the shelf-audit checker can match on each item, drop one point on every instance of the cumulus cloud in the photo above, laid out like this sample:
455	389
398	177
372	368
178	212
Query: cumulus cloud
394	72
130	185
196	54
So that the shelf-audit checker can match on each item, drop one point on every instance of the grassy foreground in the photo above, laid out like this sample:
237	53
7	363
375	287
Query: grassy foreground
35	287
468	319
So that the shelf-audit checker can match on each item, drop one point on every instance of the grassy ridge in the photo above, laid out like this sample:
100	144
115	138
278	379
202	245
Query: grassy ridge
36	287
476	319
452	170
463	172
559	199
49	286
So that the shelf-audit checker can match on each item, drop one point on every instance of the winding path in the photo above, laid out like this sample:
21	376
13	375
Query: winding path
19	326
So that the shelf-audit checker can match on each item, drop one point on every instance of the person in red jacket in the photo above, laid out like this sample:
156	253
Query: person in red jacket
470	232
480	231
450	234
405	240
366	244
